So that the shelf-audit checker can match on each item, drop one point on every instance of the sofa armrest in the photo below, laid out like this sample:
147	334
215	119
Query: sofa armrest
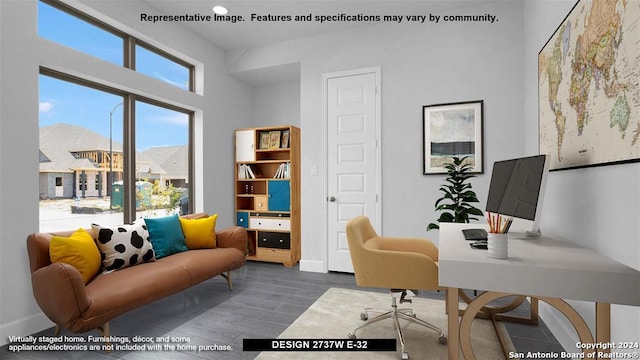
233	237
60	292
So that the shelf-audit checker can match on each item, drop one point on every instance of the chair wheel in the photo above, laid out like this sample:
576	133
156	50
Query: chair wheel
351	336
442	340
405	356
364	316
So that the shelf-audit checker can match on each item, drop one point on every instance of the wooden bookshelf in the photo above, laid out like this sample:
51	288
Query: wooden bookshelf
267	192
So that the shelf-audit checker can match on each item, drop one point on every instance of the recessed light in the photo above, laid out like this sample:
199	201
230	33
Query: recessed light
220	10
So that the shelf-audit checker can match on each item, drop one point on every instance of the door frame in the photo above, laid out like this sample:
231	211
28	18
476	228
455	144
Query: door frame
325	148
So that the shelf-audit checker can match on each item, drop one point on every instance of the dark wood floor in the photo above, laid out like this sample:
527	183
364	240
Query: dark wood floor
266	299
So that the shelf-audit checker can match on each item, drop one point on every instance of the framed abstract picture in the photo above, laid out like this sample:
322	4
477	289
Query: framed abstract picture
588	86
452	130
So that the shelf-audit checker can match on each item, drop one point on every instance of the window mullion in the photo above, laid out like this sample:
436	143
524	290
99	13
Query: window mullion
130	52
192	176
129	161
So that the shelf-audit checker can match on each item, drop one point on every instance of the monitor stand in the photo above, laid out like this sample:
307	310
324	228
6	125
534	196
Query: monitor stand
524	234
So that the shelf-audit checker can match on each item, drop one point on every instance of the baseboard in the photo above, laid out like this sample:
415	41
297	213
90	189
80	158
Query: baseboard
312	266
25	326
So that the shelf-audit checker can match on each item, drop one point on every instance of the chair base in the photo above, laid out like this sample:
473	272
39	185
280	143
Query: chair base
396	314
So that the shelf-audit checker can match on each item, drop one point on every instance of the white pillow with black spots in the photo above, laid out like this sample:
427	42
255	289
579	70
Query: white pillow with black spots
123	245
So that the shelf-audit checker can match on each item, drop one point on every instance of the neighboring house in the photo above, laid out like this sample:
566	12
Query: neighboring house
76	162
174	161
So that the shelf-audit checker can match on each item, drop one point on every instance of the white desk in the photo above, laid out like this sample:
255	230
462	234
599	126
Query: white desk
547	268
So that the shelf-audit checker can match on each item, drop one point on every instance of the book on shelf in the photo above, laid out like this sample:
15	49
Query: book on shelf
283	171
251	174
245	172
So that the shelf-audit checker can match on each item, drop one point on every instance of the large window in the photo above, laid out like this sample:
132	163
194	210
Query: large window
84	173
108	156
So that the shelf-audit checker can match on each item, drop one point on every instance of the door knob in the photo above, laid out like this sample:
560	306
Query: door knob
332	198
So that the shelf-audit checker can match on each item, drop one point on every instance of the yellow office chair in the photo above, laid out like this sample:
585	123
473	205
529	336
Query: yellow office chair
397	264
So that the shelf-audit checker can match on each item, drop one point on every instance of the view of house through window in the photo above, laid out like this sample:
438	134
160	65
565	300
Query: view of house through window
81	157
80	154
162	160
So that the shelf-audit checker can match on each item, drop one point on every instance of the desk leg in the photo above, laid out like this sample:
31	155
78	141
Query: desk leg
453	323
603	328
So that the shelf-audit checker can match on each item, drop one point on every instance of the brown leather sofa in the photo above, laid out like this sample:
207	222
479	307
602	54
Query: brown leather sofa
62	295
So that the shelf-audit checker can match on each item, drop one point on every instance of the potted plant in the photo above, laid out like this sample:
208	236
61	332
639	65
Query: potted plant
455	205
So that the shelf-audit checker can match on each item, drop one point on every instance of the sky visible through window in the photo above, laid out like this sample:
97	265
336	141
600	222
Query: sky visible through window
65	102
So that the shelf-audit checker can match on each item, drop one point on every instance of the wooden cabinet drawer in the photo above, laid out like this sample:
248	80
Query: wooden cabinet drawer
260	203
274	240
274	255
269	223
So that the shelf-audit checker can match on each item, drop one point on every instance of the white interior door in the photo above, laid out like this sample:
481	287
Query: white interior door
353	169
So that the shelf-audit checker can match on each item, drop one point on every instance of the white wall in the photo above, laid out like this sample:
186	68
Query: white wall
597	207
276	103
220	106
421	65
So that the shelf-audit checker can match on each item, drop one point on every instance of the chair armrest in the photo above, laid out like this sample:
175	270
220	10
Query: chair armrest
399	263
422	246
233	237
60	292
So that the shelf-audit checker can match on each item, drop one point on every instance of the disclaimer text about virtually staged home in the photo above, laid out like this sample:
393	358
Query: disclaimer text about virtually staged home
324	18
110	343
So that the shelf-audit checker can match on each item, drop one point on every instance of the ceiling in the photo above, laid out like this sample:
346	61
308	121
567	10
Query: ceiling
244	34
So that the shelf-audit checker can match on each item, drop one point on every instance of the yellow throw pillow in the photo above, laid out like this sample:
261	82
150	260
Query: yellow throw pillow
200	233
78	250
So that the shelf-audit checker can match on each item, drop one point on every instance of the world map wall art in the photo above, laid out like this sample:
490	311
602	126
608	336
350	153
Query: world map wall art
589	86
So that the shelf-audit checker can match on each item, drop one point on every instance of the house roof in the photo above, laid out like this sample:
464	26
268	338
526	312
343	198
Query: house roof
173	159
60	140
56	142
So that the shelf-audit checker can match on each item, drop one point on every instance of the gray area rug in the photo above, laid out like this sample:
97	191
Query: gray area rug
337	312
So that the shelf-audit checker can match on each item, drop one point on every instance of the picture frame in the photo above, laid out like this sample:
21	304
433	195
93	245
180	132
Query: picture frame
264	140
274	140
284	141
452	129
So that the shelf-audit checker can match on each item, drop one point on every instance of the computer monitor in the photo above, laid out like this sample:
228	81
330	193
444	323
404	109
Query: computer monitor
517	189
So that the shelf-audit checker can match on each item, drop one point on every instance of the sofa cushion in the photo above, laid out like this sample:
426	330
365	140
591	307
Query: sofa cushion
120	291
202	264
166	235
199	233
123	245
78	250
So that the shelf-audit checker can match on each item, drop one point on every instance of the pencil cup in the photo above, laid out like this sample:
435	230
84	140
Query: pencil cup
497	245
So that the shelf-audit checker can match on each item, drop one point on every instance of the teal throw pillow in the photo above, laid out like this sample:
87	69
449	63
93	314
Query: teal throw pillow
166	235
